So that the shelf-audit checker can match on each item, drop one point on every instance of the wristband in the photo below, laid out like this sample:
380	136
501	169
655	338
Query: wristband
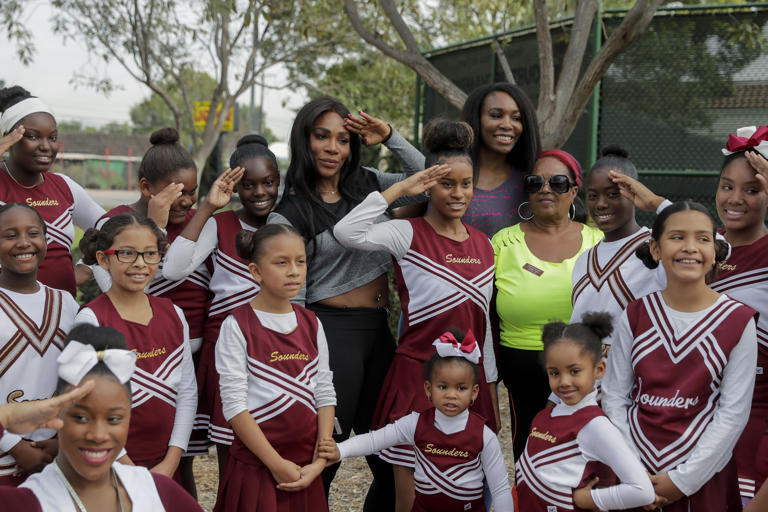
389	135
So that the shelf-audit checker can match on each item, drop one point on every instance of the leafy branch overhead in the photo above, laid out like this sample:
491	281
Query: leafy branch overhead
561	102
162	42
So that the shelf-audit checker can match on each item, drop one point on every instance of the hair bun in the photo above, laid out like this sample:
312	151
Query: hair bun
442	134
615	150
252	139
600	322
9	96
164	136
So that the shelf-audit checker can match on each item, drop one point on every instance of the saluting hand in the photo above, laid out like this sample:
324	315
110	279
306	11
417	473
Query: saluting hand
24	417
372	129
640	195
760	165
159	205
11	138
222	189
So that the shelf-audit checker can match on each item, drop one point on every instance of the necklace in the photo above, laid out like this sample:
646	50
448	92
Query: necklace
8	170
332	192
73	494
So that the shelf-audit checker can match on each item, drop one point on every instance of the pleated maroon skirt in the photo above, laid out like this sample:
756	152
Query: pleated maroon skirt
249	486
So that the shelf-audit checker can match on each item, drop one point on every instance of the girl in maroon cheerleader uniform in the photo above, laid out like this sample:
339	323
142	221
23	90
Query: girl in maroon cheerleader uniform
573	442
675	384
130	248
455	451
255	177
444	271
276	386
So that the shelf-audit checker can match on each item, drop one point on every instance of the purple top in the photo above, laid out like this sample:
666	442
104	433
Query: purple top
492	210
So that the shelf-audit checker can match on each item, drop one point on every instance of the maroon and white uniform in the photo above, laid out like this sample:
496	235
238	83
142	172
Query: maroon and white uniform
189	293
744	276
275	366
441	283
63	204
46	492
33	328
231	285
609	276
675	387
567	446
453	454
163	385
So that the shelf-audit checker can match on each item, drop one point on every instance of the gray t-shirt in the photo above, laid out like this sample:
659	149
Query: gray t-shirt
333	269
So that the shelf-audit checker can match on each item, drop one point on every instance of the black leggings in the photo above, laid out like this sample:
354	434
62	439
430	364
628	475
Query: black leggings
528	387
360	349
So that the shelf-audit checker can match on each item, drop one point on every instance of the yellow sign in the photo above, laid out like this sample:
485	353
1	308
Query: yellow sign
201	117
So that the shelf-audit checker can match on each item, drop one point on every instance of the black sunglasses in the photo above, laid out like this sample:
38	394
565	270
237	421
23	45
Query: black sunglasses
558	183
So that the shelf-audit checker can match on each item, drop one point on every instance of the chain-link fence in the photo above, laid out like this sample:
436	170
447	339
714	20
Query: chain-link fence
671	99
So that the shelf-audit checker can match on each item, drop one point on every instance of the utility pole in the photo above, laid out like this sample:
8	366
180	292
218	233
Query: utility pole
252	110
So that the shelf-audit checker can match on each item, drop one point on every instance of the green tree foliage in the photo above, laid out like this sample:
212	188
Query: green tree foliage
160	42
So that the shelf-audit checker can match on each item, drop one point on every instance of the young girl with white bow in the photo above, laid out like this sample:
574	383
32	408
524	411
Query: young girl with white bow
85	475
455	450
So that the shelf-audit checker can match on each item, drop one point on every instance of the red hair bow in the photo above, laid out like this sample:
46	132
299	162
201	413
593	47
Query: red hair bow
746	138
448	346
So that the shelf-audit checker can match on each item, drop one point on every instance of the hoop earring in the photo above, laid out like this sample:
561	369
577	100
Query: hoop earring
572	215
519	214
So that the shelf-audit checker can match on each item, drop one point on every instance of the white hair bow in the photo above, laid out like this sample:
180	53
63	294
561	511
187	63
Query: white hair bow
77	359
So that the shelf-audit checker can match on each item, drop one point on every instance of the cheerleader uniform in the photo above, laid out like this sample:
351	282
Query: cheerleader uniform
686	426
453	457
744	276
231	285
62	204
440	282
33	328
191	294
47	492
276	367
566	447
163	385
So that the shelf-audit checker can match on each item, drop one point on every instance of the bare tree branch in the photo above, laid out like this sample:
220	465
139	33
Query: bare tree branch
583	19
411	58
504	62
631	27
546	63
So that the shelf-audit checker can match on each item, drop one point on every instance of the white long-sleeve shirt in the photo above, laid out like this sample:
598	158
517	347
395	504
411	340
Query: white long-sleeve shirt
232	362
186	394
715	446
600	440
402	432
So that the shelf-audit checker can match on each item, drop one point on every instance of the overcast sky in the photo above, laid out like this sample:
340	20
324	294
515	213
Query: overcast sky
56	62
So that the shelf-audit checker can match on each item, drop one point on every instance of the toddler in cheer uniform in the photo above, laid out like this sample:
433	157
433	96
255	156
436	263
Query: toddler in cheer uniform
454	450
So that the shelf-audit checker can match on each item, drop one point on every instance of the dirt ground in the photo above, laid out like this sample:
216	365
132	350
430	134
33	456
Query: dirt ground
353	478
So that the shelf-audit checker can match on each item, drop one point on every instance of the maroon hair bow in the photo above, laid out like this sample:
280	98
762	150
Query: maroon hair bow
746	138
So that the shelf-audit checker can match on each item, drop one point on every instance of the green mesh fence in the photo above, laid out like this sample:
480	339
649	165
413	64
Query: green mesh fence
671	98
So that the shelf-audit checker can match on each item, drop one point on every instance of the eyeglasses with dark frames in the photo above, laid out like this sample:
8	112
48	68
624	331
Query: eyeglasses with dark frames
131	255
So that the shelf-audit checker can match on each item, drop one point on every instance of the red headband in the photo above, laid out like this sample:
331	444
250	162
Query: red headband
567	158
